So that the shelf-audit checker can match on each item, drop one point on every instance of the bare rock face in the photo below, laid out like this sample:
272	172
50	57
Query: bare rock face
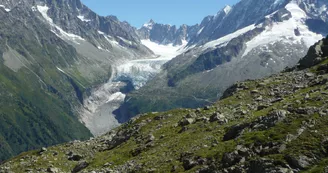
299	162
167	34
315	55
80	166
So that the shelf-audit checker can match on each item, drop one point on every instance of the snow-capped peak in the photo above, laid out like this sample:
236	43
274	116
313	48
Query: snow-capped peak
226	10
278	32
149	24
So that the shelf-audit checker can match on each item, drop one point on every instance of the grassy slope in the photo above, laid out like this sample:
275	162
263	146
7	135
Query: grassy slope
37	101
205	140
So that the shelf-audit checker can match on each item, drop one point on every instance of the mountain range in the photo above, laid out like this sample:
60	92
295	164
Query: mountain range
251	40
67	73
276	124
167	34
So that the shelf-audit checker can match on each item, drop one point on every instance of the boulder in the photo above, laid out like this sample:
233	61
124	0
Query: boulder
80	166
150	138
189	163
186	121
203	119
260	98
53	170
270	120
43	149
266	165
217	117
75	157
191	115
230	159
300	162
234	131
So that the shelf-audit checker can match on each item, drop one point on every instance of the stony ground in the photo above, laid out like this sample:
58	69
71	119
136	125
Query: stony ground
273	125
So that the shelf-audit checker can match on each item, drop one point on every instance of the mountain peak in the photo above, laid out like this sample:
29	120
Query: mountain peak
223	12
149	24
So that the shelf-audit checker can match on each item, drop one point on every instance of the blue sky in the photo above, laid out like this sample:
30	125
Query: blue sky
174	12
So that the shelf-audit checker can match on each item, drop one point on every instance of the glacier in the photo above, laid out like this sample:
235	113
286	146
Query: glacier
138	72
97	110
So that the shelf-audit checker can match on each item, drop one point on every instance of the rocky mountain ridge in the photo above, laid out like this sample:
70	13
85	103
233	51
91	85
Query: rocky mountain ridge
275	124
166	34
248	12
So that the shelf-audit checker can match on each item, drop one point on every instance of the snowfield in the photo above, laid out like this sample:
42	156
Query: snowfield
223	41
285	31
164	51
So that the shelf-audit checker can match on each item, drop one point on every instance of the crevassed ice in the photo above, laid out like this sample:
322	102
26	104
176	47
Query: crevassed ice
97	112
140	71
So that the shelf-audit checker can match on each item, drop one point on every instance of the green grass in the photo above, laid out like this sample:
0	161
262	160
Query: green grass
199	138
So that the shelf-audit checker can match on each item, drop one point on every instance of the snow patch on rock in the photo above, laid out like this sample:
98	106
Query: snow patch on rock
56	29
165	51
200	31
83	19
6	9
223	41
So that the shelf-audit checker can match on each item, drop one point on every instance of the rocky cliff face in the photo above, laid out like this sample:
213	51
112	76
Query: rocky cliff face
275	124
167	34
